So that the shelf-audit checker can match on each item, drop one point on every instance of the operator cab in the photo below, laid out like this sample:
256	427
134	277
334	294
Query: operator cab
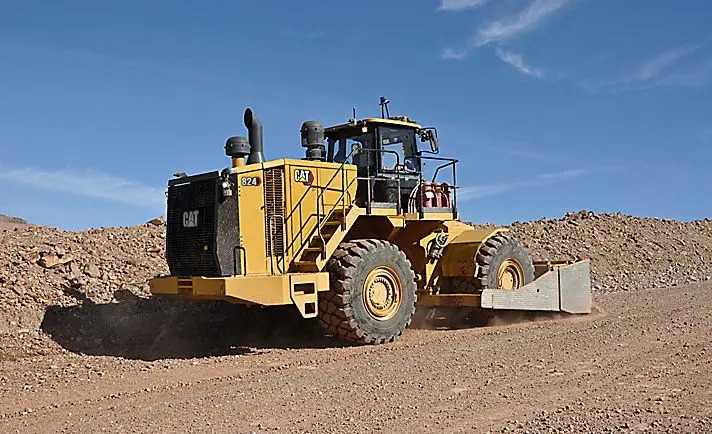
389	161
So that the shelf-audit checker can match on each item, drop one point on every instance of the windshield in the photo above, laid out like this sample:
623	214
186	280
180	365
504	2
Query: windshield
397	152
340	149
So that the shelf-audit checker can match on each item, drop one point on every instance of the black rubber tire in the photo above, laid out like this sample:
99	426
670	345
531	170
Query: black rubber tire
496	250
342	310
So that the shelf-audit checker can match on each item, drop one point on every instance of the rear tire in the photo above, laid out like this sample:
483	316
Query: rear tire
372	293
504	263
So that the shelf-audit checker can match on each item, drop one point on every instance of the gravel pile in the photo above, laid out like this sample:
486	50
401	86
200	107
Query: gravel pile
42	268
67	284
626	252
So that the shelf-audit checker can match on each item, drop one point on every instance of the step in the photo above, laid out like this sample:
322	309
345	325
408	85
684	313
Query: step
316	240
305	265
332	223
313	250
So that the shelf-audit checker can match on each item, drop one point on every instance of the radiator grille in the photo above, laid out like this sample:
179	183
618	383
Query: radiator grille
191	250
274	211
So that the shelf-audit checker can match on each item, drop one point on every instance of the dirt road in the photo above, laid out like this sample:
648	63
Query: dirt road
644	363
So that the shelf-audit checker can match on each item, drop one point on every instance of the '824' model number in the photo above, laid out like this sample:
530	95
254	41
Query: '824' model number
250	181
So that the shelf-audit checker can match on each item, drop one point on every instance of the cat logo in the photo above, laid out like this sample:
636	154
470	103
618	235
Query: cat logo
304	176
190	219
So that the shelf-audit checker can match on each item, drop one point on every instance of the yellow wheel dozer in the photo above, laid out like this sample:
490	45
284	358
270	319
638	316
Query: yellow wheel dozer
358	234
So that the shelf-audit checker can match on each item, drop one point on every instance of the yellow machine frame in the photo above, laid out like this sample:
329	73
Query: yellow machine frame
314	195
293	214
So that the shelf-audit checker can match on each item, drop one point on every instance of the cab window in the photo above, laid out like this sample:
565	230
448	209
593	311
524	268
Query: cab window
341	148
399	148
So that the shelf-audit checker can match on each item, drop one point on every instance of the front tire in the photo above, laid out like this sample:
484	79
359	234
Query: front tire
504	263
372	293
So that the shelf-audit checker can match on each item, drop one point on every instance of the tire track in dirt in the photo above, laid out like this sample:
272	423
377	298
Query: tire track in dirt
645	363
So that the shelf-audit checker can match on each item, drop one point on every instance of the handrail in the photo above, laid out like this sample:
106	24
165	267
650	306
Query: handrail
243	260
449	162
331	211
341	167
344	190
320	224
323	216
327	215
270	239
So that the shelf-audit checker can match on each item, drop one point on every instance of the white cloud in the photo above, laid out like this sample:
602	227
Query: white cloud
507	28
566	174
525	21
542	180
450	54
655	72
460	5
516	61
87	183
653	67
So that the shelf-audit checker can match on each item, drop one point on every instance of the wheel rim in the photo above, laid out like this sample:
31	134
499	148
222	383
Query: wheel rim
510	275
382	293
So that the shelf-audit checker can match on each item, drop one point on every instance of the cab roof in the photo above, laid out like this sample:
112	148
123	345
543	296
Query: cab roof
403	121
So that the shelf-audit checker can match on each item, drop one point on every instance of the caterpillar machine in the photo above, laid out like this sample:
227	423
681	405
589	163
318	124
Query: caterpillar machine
354	234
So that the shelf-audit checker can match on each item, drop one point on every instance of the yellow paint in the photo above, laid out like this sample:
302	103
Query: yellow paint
436	216
252	218
268	290
313	189
471	235
304	291
369	121
461	252
332	188
392	122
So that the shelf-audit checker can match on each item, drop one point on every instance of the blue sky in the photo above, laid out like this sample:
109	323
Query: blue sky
550	105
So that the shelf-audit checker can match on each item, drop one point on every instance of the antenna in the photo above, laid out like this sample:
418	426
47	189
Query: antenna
383	102
354	111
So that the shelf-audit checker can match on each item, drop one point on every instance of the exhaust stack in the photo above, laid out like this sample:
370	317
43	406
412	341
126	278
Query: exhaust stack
254	128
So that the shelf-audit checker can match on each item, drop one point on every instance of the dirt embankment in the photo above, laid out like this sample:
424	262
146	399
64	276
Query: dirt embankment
43	269
88	290
8	222
626	252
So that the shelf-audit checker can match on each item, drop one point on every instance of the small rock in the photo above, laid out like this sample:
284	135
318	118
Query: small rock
158	221
51	260
74	269
92	270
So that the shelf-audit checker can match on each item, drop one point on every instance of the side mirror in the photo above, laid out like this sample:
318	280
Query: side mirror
434	147
430	135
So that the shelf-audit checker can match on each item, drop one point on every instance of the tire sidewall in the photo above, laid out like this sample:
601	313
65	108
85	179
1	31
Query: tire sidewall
510	250
395	260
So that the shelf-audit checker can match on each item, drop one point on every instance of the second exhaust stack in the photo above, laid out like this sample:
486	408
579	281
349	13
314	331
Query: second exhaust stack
254	128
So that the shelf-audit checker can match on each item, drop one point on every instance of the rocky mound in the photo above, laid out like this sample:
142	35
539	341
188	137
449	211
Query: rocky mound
9	222
626	252
42	268
89	289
